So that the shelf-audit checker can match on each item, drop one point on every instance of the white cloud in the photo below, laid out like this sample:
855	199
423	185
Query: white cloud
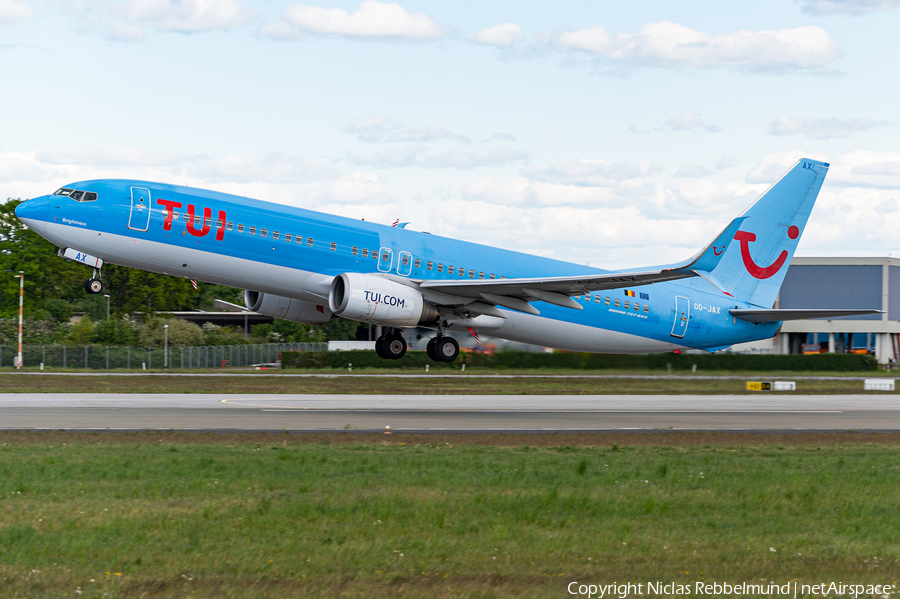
691	121
473	159
501	136
771	167
589	171
12	11
424	134
504	36
372	20
726	162
375	129
392	157
693	171
822	128
667	44
850	7
129	20
354	188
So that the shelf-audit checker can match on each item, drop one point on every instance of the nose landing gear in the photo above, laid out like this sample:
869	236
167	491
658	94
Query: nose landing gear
94	285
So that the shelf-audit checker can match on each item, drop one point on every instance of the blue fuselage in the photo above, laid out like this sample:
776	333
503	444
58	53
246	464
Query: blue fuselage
241	242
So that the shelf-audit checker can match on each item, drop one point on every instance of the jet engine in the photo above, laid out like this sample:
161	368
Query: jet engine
370	298
286	308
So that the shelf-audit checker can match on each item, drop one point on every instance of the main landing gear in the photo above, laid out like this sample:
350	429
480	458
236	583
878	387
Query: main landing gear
442	349
94	285
390	346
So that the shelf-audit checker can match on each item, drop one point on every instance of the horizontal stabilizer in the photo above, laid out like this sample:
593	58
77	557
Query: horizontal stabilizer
760	316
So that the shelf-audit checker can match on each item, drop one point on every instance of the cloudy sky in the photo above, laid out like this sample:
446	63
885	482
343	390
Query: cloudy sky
619	134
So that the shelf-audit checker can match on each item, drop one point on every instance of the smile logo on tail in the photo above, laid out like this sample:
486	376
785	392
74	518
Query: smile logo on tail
762	272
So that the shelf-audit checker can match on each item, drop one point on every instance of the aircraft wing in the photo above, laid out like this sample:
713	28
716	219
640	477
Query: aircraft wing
517	293
760	316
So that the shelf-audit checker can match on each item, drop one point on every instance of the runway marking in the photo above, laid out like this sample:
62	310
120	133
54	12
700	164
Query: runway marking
465	410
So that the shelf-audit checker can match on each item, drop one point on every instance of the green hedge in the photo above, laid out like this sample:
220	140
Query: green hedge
582	361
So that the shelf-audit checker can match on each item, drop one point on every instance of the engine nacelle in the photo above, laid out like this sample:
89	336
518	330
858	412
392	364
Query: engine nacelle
286	308
370	298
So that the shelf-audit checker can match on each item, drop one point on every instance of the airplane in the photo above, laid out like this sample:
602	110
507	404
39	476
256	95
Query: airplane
309	266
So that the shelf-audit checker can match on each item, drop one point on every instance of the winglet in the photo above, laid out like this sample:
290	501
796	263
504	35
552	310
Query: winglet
708	258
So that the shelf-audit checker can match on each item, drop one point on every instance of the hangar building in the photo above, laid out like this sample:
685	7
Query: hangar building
872	283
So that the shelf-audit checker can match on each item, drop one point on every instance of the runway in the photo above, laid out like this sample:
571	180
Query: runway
509	413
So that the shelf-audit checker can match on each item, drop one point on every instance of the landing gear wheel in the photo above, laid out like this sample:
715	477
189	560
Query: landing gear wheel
94	286
446	349
379	348
429	349
394	346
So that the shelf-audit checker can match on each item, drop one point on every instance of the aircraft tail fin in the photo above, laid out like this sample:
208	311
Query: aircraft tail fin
755	263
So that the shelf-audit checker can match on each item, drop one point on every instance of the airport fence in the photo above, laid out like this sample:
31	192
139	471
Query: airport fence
104	357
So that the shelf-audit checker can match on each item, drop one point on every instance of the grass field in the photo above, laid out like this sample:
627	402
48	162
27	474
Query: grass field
234	516
535	384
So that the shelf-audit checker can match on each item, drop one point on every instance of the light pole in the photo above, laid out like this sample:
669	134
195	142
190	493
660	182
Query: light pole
165	347
21	303
107	305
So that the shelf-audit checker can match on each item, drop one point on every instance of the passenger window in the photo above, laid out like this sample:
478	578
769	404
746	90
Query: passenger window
275	235
333	246
597	299
240	228
429	265
606	300
617	303
175	214
365	253
253	230
355	250
417	263
461	271
264	232
493	276
503	277
218	224
404	260
385	257
480	275
627	304
229	225
637	307
198	220
208	221
287	237
299	239
440	267
646	308
309	241
471	274
90	196
450	270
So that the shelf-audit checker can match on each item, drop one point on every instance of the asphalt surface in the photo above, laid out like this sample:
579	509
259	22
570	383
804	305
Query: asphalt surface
764	412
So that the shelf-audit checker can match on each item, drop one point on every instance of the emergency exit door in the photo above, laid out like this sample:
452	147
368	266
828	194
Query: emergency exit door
682	316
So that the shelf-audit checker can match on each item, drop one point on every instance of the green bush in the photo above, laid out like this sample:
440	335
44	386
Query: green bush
584	361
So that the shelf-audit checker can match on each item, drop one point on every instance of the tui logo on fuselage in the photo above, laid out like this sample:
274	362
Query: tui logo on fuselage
191	219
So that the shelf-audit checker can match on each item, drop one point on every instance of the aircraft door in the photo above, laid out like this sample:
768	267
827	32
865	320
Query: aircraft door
385	259
139	217
404	268
682	316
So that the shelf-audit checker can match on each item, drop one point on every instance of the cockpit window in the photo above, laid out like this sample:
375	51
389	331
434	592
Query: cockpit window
78	196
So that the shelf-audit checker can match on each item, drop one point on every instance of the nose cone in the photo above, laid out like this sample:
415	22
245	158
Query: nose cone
34	212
